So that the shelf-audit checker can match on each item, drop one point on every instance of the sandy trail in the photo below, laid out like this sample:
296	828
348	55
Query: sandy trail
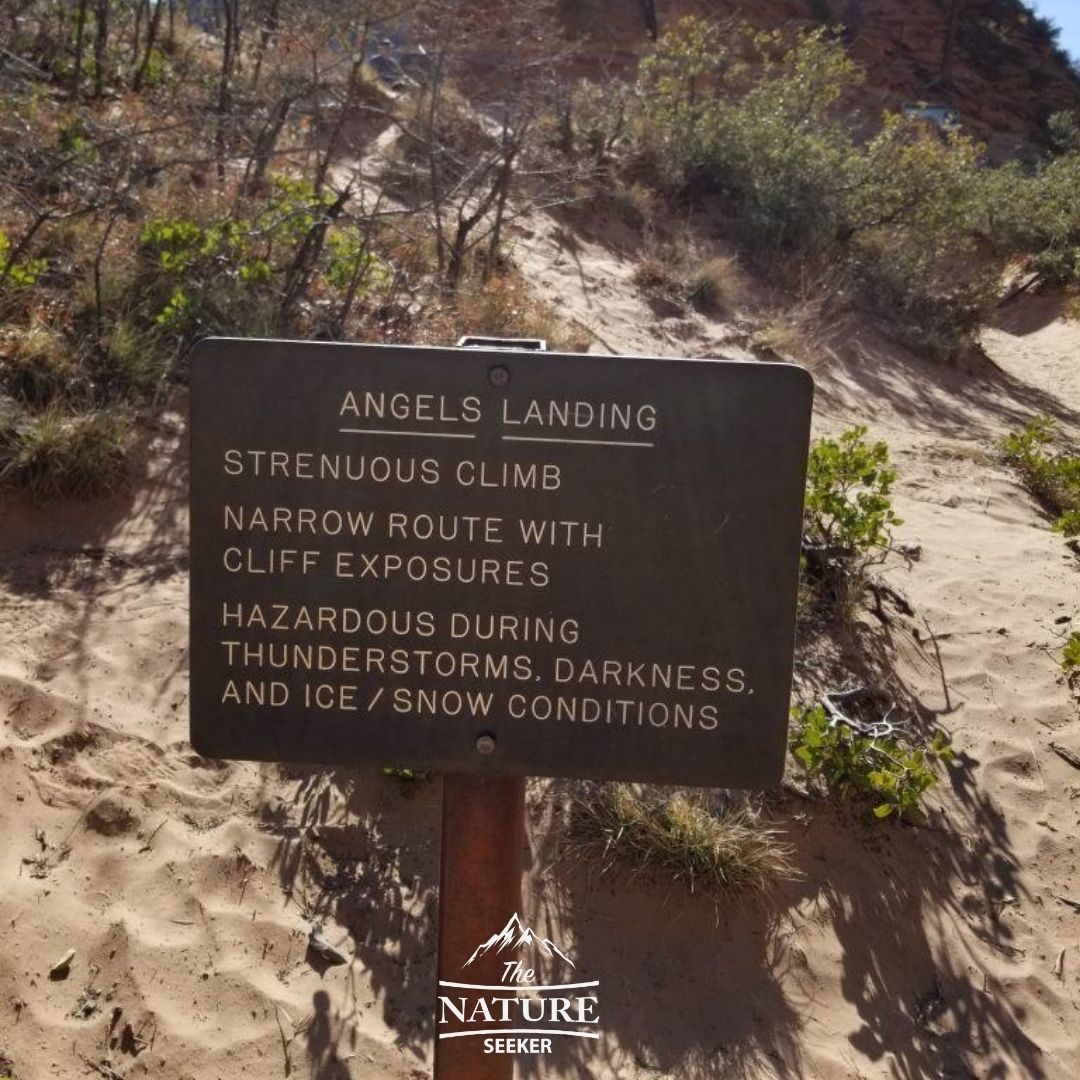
188	888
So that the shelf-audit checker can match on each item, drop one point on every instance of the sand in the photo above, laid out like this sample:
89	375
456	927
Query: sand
188	888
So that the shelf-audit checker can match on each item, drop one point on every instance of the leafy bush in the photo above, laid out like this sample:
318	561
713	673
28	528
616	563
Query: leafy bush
21	274
1052	476
1063	129
176	315
352	262
678	83
765	130
848	507
709	847
1070	656
921	227
911	223
602	116
884	772
1037	213
847	518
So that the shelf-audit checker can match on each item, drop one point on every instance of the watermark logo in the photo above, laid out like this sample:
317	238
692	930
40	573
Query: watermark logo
530	1006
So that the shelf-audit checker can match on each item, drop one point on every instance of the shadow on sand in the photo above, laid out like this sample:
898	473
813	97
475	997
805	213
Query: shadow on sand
966	400
688	988
360	852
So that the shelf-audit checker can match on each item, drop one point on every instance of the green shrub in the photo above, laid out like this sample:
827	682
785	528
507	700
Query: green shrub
885	772
679	83
1070	656
22	274
352	260
921	227
768	132
228	274
911	220
1036	213
1063	129
176	315
676	836
51	455
603	115
1053	476
848	506
177	243
847	518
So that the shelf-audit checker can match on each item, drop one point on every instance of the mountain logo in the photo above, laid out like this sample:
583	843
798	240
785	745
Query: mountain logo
516	935
522	1013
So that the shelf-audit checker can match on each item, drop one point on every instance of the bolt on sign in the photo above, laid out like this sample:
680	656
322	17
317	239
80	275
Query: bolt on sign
485	560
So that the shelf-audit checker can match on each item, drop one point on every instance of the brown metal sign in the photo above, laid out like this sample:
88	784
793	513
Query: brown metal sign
495	561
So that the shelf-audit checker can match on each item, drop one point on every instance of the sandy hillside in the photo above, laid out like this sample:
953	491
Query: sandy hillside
188	888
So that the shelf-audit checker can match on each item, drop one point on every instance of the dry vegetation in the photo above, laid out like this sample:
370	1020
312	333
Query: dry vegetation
699	840
164	177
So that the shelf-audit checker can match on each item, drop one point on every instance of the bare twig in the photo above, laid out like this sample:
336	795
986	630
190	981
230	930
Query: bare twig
285	1041
1066	755
150	838
102	1068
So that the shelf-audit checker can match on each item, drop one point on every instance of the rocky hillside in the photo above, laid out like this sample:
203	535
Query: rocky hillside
1000	67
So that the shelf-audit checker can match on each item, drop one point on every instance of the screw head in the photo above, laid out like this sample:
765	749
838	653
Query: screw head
499	375
485	744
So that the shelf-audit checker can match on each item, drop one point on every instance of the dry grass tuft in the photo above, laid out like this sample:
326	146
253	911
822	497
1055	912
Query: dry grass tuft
37	366
634	203
500	307
717	286
682	836
51	455
654	274
672	270
802	332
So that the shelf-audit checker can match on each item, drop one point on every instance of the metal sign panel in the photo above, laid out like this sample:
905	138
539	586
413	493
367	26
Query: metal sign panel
495	561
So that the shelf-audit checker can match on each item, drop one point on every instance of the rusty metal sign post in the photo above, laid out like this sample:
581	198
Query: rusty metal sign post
483	831
493	565
480	871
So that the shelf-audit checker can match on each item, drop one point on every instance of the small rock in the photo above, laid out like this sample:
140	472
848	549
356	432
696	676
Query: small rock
324	950
1062	619
88	1003
62	968
910	551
